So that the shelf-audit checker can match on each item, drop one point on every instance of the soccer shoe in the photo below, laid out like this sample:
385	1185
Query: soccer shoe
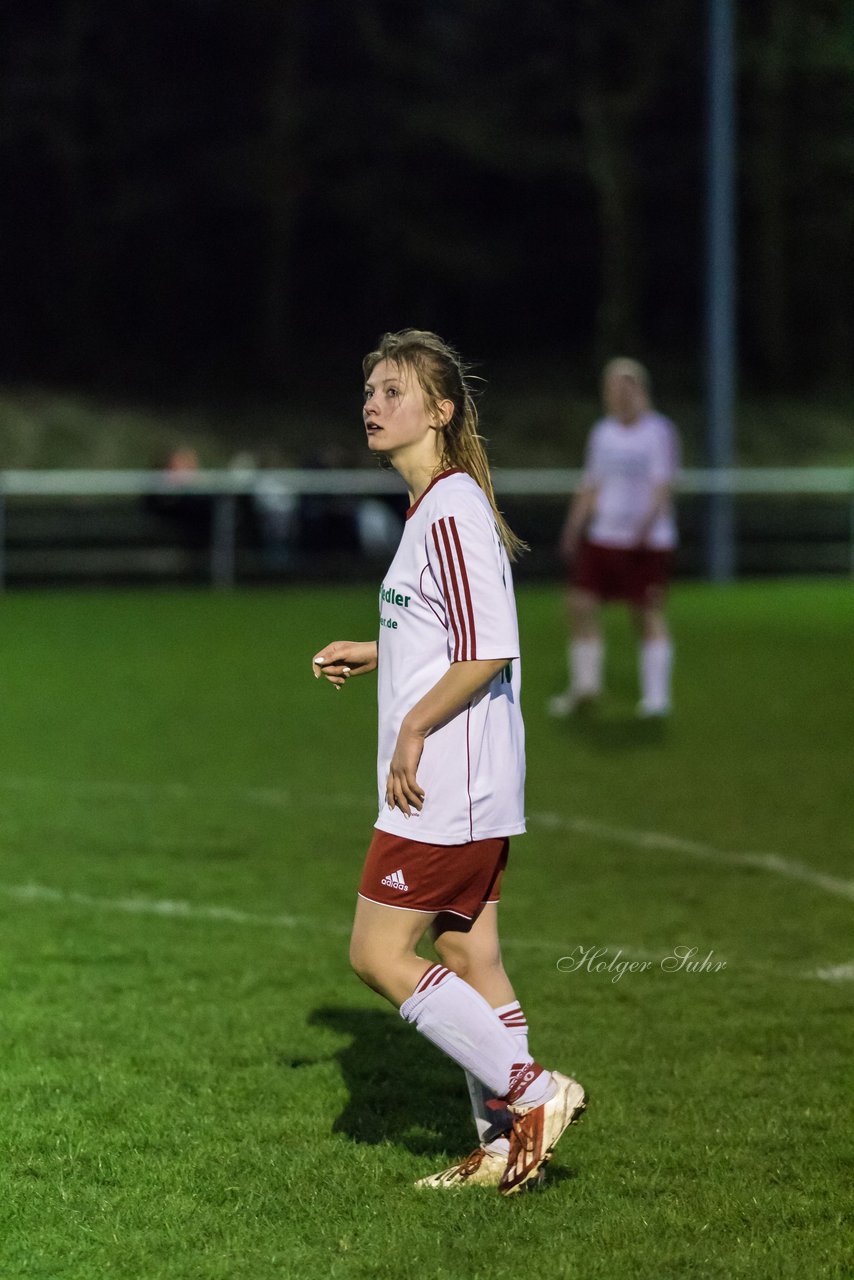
480	1169
537	1129
653	710
564	704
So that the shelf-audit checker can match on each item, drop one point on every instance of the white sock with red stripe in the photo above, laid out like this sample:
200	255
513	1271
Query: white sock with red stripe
586	659
493	1123
655	662
457	1019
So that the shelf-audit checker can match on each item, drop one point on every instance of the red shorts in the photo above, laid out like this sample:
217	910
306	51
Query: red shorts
460	878
638	575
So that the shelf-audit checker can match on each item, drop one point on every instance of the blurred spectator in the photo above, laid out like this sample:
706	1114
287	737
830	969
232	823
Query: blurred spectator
380	527
179	499
181	463
290	526
618	540
275	507
336	521
328	521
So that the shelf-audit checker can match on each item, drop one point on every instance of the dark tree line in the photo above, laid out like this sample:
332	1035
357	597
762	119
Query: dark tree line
230	190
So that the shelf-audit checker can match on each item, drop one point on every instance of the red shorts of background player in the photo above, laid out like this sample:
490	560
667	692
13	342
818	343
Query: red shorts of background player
460	878
638	575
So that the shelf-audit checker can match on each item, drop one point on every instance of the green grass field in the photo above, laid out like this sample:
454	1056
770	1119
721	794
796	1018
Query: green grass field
194	1087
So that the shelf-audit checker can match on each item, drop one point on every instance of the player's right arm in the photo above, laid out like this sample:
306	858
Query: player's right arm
338	661
583	506
577	519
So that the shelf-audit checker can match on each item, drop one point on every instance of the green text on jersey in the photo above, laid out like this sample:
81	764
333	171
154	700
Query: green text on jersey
391	596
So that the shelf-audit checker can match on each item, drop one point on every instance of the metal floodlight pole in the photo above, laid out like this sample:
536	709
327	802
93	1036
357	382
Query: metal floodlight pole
720	281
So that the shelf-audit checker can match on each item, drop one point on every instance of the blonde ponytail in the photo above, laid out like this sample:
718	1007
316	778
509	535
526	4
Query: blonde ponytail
443	376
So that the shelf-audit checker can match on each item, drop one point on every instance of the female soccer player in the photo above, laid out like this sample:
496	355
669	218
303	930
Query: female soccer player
618	538
451	764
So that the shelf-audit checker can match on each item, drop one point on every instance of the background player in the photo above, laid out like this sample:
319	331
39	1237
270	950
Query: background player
618	539
450	766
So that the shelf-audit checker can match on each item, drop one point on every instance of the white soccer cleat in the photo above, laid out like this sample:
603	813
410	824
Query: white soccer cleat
653	710
536	1130
565	704
560	706
480	1169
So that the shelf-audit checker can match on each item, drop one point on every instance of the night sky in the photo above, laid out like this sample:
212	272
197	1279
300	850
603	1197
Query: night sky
208	194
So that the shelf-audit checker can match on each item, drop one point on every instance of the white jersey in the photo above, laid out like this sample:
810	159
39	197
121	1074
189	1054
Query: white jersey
625	464
448	597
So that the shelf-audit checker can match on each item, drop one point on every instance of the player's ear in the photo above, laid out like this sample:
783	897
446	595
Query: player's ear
444	412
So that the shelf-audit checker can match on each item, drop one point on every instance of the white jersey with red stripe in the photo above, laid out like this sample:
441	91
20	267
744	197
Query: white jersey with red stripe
448	597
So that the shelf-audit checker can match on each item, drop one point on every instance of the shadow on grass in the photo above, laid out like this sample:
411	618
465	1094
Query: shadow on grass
615	733
401	1089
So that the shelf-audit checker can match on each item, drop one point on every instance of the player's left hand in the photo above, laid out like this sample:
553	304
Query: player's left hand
402	789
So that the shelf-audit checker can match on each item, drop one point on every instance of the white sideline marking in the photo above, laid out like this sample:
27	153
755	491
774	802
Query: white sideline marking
266	797
75	786
836	973
281	798
177	909
181	910
772	862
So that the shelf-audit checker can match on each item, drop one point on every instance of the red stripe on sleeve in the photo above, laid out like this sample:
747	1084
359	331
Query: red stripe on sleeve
447	596
463	654
466	589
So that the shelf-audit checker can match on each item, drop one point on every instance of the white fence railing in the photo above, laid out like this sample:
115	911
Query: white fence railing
225	487
550	482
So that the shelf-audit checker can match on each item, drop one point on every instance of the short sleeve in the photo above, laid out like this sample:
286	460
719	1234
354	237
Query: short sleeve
470	568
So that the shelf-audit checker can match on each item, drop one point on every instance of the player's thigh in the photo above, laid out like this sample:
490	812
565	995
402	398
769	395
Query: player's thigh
385	934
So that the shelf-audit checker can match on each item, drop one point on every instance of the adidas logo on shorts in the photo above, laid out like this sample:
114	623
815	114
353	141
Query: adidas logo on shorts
396	881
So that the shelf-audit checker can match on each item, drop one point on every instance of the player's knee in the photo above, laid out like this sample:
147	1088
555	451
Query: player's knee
365	962
652	624
459	964
453	957
468	963
583	608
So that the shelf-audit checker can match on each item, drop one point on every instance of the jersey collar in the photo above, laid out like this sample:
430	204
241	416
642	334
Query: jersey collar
454	471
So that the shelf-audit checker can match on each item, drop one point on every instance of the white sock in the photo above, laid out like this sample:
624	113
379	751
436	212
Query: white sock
586	658
492	1123
457	1019
656	661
